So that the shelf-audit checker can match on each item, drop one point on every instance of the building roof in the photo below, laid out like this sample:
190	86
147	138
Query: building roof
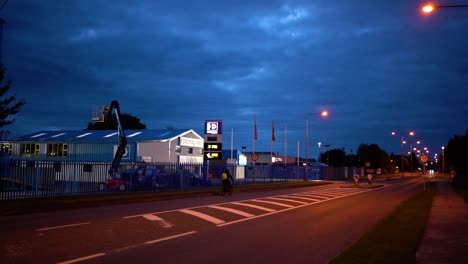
103	135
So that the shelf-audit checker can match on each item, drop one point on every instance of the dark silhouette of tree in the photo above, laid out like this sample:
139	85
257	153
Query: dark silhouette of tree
128	122
9	105
456	155
375	156
334	157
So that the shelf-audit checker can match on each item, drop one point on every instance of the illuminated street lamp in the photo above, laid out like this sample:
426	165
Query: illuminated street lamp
443	158
402	141
323	114
429	8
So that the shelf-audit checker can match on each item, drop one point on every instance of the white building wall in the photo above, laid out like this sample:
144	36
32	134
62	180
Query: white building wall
156	151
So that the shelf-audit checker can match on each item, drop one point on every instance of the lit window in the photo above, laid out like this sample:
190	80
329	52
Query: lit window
57	150
29	150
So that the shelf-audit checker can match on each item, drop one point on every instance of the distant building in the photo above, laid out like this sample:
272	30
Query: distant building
160	146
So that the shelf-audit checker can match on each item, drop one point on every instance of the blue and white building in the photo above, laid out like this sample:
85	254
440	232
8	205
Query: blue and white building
155	146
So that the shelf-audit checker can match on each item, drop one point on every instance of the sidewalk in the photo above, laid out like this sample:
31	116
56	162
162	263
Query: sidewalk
446	236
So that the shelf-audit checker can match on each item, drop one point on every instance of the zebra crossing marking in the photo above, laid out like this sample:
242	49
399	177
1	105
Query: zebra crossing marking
270	202
254	206
203	216
231	210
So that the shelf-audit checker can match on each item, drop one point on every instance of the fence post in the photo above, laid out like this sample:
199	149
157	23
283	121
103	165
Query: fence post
37	177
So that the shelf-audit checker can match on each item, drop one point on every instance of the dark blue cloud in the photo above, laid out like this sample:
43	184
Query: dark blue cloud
377	66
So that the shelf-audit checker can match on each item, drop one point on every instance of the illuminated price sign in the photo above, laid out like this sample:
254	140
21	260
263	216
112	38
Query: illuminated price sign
213	156
213	147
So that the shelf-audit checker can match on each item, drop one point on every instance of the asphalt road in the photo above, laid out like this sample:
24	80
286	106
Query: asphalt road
307	225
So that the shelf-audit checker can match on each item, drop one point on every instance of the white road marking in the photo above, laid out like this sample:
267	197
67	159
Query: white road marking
62	226
301	197
318	196
83	258
287	200
270	202
170	237
255	206
231	210
152	217
164	223
203	216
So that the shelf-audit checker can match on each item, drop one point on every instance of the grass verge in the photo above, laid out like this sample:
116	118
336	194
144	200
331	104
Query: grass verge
37	205
396	238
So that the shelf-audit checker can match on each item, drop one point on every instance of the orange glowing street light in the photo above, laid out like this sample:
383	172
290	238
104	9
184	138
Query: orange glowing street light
429	8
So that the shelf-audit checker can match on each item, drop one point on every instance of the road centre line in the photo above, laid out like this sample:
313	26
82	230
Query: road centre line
254	206
270	202
170	237
287	200
203	216
62	226
231	210
83	258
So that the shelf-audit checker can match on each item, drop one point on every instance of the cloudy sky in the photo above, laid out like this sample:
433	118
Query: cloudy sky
377	66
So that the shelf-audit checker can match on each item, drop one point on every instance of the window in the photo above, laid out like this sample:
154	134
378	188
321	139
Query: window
57	150
177	149
190	150
6	147
29	150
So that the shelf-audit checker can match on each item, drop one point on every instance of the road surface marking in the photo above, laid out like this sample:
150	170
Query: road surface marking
255	206
83	258
203	216
62	226
301	197
234	211
287	200
170	237
164	223
318	196
270	202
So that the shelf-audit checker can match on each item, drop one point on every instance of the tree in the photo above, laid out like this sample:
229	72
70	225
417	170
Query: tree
334	157
128	121
9	105
375	156
456	156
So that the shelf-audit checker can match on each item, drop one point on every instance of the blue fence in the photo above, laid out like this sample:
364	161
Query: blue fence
21	179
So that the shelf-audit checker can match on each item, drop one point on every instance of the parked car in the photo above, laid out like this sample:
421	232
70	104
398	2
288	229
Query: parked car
141	178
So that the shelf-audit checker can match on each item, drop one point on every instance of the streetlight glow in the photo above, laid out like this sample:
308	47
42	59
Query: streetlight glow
428	8
324	113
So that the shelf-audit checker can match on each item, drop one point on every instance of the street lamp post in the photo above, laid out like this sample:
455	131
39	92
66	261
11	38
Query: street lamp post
402	141
323	114
443	159
429	8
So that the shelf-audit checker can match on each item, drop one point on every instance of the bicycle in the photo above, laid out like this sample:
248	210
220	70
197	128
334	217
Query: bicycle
227	189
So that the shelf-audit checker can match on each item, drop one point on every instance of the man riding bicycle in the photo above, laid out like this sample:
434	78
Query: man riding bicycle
226	178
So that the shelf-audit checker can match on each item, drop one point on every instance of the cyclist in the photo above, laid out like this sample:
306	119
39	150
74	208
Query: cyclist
226	178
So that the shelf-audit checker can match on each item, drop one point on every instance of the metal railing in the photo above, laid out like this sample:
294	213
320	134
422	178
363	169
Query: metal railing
21	179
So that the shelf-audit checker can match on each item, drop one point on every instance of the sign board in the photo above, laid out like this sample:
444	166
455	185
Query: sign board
213	147
213	156
191	142
356	178
424	158
213	127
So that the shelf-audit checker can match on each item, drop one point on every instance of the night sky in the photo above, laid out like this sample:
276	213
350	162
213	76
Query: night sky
376	65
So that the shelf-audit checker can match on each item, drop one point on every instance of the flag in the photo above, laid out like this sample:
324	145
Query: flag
255	128
273	137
